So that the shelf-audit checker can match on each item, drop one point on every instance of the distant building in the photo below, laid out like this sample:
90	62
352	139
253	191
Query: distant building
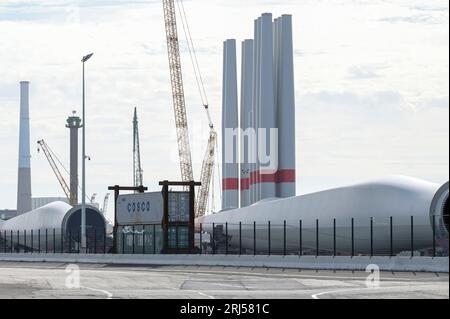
42	201
6	214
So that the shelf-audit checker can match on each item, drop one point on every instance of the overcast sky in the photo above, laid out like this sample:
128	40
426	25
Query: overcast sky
371	81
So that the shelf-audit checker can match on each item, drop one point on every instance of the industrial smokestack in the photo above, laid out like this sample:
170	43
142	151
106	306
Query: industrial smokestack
73	123
285	99
230	166
24	174
246	113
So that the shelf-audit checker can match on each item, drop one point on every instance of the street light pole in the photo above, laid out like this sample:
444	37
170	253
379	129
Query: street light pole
83	187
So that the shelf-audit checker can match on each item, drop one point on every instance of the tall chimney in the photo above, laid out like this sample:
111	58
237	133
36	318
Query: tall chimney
73	123
230	165
24	174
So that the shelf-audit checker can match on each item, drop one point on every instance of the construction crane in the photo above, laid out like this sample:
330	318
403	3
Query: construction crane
176	78
105	204
92	199
206	175
137	169
48	153
180	107
51	156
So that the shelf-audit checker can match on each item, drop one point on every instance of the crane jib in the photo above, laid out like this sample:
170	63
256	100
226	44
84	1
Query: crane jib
181	123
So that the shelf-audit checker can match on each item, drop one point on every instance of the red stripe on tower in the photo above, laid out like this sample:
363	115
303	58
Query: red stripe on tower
230	184
245	185
286	176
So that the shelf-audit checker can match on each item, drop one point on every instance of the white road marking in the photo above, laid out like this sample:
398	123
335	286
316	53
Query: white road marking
389	288
228	285
316	296
205	295
107	293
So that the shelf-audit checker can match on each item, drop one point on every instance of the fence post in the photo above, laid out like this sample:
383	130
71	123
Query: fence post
254	238
434	236
334	237
70	241
353	237
240	238
412	236
12	241
213	239
46	241
95	241
143	239
18	241
300	238
32	243
54	240
87	241
4	236
201	238
62	241
104	241
123	241
371	236
226	238
79	241
268	236
154	239
133	238
284	238
25	240
391	225
317	238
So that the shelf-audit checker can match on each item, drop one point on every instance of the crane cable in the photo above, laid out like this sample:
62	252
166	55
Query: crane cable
199	81
218	170
57	159
64	168
193	55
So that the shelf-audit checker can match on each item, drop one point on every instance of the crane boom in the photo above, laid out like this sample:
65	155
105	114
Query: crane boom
137	169
55	169
205	178
105	204
176	78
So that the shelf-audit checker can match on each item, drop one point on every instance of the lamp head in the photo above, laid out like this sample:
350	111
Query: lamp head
87	57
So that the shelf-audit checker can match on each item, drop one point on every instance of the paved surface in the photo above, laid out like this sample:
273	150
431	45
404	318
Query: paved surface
31	280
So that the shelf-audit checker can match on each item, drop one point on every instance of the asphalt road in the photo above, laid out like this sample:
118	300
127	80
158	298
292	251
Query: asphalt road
45	280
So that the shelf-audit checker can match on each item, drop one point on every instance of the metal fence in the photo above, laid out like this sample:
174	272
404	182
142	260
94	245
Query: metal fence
372	237
53	241
332	237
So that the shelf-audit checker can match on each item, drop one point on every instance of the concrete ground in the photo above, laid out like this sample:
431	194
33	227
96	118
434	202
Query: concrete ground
46	280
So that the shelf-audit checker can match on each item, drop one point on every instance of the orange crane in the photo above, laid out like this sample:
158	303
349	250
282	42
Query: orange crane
179	105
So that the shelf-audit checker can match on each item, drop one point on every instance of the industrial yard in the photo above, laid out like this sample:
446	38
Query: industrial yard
251	213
